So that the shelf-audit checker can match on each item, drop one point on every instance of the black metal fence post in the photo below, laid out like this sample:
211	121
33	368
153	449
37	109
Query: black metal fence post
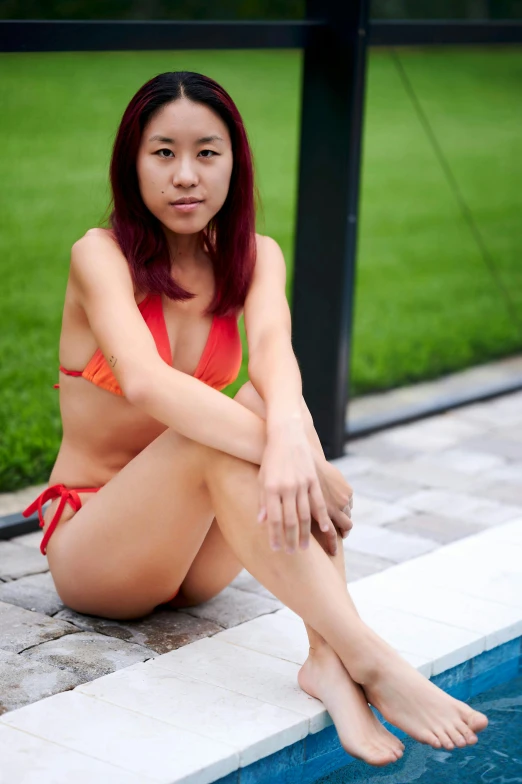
326	232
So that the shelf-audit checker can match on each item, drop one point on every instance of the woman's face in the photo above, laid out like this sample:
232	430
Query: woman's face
185	152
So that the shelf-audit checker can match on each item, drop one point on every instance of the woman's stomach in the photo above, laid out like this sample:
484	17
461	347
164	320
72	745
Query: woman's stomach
102	432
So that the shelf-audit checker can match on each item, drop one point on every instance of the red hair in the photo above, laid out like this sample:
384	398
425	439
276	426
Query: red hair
229	237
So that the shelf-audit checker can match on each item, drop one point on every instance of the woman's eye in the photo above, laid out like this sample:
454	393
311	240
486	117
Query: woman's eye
212	151
165	149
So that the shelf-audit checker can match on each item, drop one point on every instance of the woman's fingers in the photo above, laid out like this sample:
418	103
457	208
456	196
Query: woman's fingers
320	513
342	522
275	519
290	523
305	517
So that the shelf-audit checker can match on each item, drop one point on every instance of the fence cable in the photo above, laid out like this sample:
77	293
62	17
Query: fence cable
466	211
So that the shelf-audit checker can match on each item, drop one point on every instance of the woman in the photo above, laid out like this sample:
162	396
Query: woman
159	479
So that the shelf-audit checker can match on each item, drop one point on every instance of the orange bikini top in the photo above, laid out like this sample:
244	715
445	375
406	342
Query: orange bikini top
219	365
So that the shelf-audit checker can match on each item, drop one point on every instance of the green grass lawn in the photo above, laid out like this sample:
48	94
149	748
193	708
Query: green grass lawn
425	302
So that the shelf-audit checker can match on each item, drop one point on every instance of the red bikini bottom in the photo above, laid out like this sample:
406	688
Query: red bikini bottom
67	495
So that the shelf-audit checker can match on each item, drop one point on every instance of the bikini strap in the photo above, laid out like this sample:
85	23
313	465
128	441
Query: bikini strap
67	495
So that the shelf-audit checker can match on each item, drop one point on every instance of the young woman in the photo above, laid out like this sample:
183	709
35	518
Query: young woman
161	483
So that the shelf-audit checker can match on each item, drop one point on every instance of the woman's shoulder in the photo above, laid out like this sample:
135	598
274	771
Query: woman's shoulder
266	243
97	258
100	233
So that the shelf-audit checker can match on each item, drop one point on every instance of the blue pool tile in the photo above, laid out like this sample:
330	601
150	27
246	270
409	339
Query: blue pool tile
322	742
494	677
283	767
232	778
323	764
456	681
499	655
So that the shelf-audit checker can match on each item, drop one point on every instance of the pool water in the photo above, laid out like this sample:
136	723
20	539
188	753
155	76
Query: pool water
495	759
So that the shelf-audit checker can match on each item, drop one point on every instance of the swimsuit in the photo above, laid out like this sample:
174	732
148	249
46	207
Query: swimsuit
219	366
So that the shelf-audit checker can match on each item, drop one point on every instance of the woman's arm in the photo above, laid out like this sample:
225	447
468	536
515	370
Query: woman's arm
103	286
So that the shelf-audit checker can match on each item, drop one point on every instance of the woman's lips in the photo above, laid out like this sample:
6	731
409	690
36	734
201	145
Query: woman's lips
187	207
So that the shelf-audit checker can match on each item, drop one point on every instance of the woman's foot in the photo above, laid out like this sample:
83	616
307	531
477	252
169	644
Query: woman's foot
410	701
362	735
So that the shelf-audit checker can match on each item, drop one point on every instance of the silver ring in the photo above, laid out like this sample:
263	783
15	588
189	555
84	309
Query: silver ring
347	509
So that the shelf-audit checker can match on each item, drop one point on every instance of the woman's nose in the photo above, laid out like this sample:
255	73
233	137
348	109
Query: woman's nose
184	173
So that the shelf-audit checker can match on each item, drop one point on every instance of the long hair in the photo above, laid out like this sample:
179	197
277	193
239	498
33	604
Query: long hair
229	237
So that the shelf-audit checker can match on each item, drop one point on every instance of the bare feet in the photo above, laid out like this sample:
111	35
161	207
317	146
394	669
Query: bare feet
362	735
411	702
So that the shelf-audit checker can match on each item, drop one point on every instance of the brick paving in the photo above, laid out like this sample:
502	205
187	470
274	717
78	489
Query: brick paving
416	487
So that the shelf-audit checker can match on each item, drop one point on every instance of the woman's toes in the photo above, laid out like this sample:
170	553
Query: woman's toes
430	739
445	739
380	756
468	734
477	721
458	739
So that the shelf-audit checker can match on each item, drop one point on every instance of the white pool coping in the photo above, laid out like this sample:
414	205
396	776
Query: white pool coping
213	707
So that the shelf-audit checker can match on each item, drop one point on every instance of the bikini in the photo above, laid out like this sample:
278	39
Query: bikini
218	366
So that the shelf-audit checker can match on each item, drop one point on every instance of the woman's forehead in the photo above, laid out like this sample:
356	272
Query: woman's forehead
183	119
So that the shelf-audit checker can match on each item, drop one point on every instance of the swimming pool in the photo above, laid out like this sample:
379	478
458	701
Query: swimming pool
495	759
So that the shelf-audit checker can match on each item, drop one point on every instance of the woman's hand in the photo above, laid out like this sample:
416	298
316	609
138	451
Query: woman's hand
338	495
290	492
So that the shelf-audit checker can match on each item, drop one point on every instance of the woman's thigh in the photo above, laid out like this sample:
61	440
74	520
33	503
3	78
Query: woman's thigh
131	544
149	531
215	564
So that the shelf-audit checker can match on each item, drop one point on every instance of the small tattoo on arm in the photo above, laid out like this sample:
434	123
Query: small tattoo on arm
112	361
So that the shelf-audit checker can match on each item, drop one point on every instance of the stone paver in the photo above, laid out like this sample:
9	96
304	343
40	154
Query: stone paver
36	592
161	631
359	565
368	511
382	487
17	561
431	435
470	508
435	527
232	607
379	449
25	681
503	447
21	629
29	540
384	543
506	493
245	582
89	655
429	474
10	503
464	461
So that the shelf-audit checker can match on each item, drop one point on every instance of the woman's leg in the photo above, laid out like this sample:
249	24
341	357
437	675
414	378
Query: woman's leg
311	586
323	675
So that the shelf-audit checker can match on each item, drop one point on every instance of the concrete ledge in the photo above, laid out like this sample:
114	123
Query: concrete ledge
228	708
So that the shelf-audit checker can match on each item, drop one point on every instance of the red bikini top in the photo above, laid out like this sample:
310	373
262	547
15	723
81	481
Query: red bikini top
219	365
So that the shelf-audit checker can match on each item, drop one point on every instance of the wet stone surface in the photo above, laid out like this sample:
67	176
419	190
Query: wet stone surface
36	592
17	561
24	681
233	606
88	655
21	629
162	631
